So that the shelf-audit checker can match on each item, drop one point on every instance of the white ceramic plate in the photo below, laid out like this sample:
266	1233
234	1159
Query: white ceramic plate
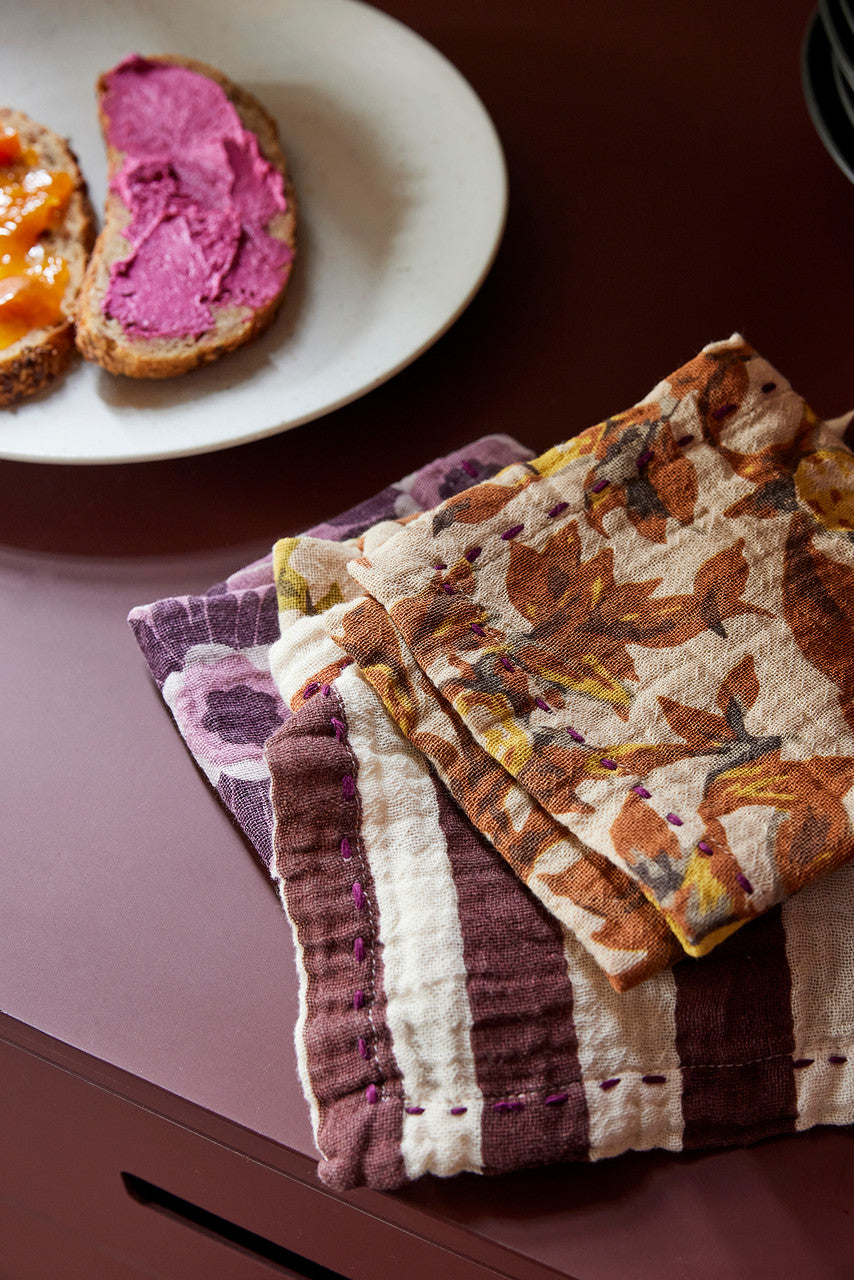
402	189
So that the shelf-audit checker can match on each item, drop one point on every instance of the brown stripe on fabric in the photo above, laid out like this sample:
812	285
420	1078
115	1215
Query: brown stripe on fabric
523	1035
316	805
735	1038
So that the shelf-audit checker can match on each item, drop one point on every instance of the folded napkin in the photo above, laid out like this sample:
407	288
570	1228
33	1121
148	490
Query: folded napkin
649	629
209	654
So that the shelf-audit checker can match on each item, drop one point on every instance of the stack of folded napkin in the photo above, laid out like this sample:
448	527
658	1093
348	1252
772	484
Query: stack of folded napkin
517	735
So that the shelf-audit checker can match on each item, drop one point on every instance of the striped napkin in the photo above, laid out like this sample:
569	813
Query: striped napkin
448	1022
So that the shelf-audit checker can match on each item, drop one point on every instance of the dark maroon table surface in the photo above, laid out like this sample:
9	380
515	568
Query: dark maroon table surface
666	188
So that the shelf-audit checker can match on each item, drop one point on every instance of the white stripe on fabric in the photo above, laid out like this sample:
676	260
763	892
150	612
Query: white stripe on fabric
424	974
820	950
300	654
623	1037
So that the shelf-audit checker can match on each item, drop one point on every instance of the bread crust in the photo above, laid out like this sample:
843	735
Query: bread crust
103	339
31	364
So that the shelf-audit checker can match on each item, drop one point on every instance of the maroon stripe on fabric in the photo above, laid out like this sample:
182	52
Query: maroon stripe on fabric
523	1035
318	853
735	1038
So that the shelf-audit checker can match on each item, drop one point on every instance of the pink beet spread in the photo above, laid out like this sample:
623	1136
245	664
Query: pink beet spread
200	196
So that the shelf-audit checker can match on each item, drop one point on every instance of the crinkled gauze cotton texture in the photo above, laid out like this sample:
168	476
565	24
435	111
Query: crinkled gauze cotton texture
649	629
200	196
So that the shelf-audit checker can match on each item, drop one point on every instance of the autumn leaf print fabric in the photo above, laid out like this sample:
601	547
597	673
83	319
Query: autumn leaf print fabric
647	634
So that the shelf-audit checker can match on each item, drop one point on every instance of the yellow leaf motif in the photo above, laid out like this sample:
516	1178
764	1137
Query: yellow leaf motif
291	587
505	740
710	892
824	482
293	591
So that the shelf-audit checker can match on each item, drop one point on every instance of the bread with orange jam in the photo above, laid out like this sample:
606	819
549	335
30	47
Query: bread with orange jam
46	233
199	232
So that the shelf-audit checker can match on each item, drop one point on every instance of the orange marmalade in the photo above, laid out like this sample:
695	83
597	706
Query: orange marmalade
32	280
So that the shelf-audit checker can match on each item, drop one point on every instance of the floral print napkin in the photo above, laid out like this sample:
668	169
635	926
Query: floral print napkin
649	630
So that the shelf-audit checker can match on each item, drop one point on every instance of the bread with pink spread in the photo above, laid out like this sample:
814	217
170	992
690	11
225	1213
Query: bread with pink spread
199	232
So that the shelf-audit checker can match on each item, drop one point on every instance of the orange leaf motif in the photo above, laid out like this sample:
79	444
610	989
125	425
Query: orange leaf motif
480	503
376	647
641	835
816	834
583	620
599	887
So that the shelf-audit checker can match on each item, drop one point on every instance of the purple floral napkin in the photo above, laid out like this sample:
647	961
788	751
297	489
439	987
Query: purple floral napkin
209	654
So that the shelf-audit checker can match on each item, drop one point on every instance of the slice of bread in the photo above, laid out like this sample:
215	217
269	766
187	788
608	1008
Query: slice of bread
30	364
101	337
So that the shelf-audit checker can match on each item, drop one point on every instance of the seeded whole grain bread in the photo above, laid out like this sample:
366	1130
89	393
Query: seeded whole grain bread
32	363
101	338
